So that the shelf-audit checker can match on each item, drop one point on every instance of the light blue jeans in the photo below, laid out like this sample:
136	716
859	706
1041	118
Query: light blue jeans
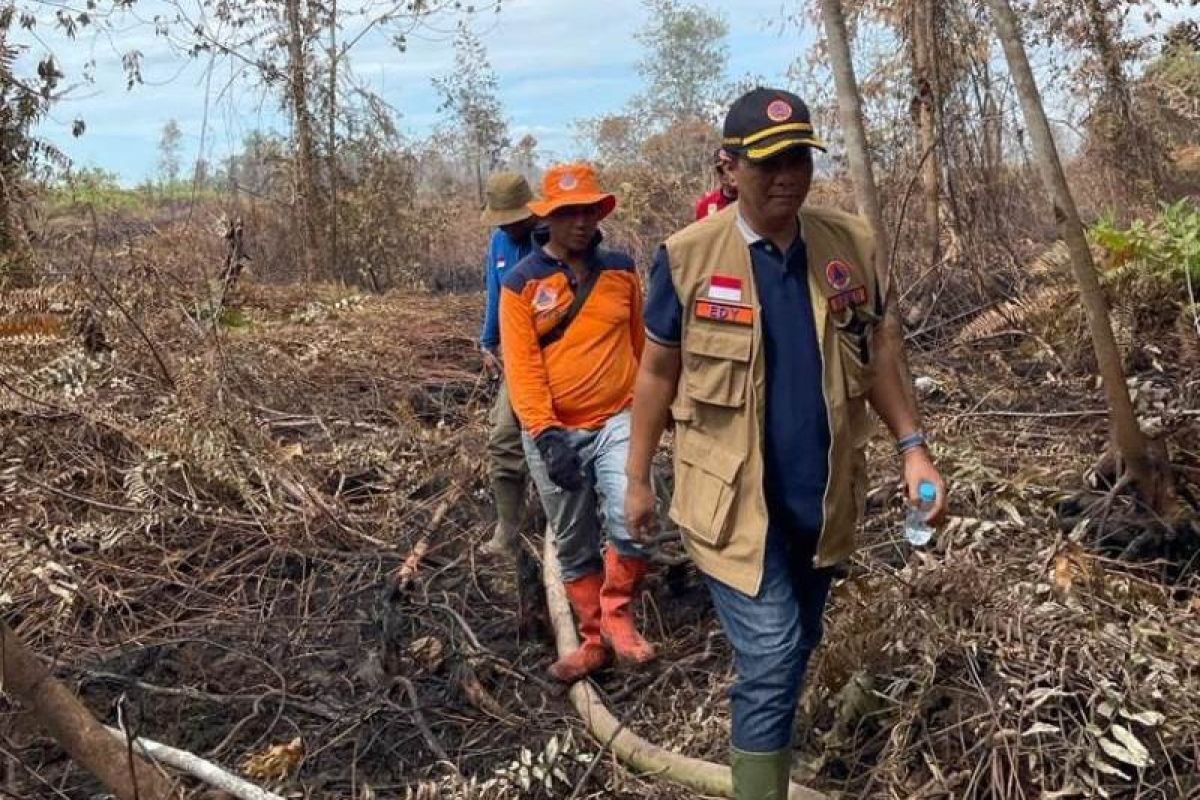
582	520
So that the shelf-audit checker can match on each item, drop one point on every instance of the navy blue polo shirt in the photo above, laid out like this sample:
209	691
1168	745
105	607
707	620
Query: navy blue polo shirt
796	451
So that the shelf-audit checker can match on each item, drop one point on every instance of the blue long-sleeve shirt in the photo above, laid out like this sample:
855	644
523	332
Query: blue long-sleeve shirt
503	254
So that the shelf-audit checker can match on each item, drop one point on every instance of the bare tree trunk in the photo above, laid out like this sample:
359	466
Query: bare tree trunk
479	182
890	345
927	101
854	130
306	177
1130	442
993	135
332	136
124	773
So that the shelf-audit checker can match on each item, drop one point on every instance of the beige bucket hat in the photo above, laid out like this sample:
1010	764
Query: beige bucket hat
508	194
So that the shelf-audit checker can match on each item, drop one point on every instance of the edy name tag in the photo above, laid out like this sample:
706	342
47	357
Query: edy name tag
843	300
732	313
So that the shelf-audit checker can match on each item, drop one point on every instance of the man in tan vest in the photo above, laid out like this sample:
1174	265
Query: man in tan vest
764	345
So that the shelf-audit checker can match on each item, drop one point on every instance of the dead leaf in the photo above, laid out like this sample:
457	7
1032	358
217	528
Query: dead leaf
1096	789
291	451
1100	765
1040	696
1064	576
412	564
428	651
1131	743
479	696
1011	510
1071	565
1041	727
1123	754
1151	719
276	763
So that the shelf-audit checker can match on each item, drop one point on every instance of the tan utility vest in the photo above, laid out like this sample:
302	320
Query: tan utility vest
719	408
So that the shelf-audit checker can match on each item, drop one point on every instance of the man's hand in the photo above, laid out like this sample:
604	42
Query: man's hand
562	462
918	466
641	512
492	367
658	377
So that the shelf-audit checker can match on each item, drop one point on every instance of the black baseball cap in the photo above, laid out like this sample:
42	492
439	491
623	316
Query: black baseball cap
764	122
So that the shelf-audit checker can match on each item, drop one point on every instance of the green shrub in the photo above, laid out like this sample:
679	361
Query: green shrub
1166	247
95	187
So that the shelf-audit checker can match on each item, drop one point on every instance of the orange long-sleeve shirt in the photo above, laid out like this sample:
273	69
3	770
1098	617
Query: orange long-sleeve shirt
587	376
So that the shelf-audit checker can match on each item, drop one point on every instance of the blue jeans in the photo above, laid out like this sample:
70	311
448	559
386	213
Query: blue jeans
773	635
579	519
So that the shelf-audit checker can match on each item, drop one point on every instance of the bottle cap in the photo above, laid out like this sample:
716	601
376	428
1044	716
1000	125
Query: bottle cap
927	492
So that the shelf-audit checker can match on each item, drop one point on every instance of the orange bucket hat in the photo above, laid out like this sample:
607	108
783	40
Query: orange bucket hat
572	185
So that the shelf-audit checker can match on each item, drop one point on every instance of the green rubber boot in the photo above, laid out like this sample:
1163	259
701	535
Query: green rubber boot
761	776
509	496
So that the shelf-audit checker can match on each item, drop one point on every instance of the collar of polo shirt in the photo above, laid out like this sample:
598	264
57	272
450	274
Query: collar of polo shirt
752	236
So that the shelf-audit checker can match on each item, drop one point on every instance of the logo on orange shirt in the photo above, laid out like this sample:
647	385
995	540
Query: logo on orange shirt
545	299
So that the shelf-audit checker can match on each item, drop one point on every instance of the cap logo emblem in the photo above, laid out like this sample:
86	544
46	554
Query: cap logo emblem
779	110
838	274
567	182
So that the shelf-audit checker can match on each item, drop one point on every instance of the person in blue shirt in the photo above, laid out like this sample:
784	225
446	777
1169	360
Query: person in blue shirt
508	194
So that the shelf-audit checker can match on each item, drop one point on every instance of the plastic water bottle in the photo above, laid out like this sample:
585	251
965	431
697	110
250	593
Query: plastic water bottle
917	529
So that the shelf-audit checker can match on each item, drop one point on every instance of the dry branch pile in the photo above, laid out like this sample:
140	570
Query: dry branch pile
208	519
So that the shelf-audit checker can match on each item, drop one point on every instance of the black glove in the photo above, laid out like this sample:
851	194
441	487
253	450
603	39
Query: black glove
562	462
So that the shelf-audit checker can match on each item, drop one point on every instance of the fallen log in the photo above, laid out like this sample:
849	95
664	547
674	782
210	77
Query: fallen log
639	755
126	774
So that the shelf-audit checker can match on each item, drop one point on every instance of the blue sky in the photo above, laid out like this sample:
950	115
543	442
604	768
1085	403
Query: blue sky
556	60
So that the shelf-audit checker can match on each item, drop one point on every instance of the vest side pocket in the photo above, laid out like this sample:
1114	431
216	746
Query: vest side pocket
855	351
717	363
705	487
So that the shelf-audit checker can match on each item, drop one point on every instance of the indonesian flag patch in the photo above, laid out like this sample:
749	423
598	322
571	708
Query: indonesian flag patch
725	287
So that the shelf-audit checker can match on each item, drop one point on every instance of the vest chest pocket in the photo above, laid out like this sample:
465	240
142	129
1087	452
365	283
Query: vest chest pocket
705	487
717	363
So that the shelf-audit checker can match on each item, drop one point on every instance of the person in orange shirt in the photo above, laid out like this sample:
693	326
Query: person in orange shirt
571	323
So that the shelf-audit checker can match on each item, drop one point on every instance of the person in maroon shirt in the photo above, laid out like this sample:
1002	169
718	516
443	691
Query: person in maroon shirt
720	197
